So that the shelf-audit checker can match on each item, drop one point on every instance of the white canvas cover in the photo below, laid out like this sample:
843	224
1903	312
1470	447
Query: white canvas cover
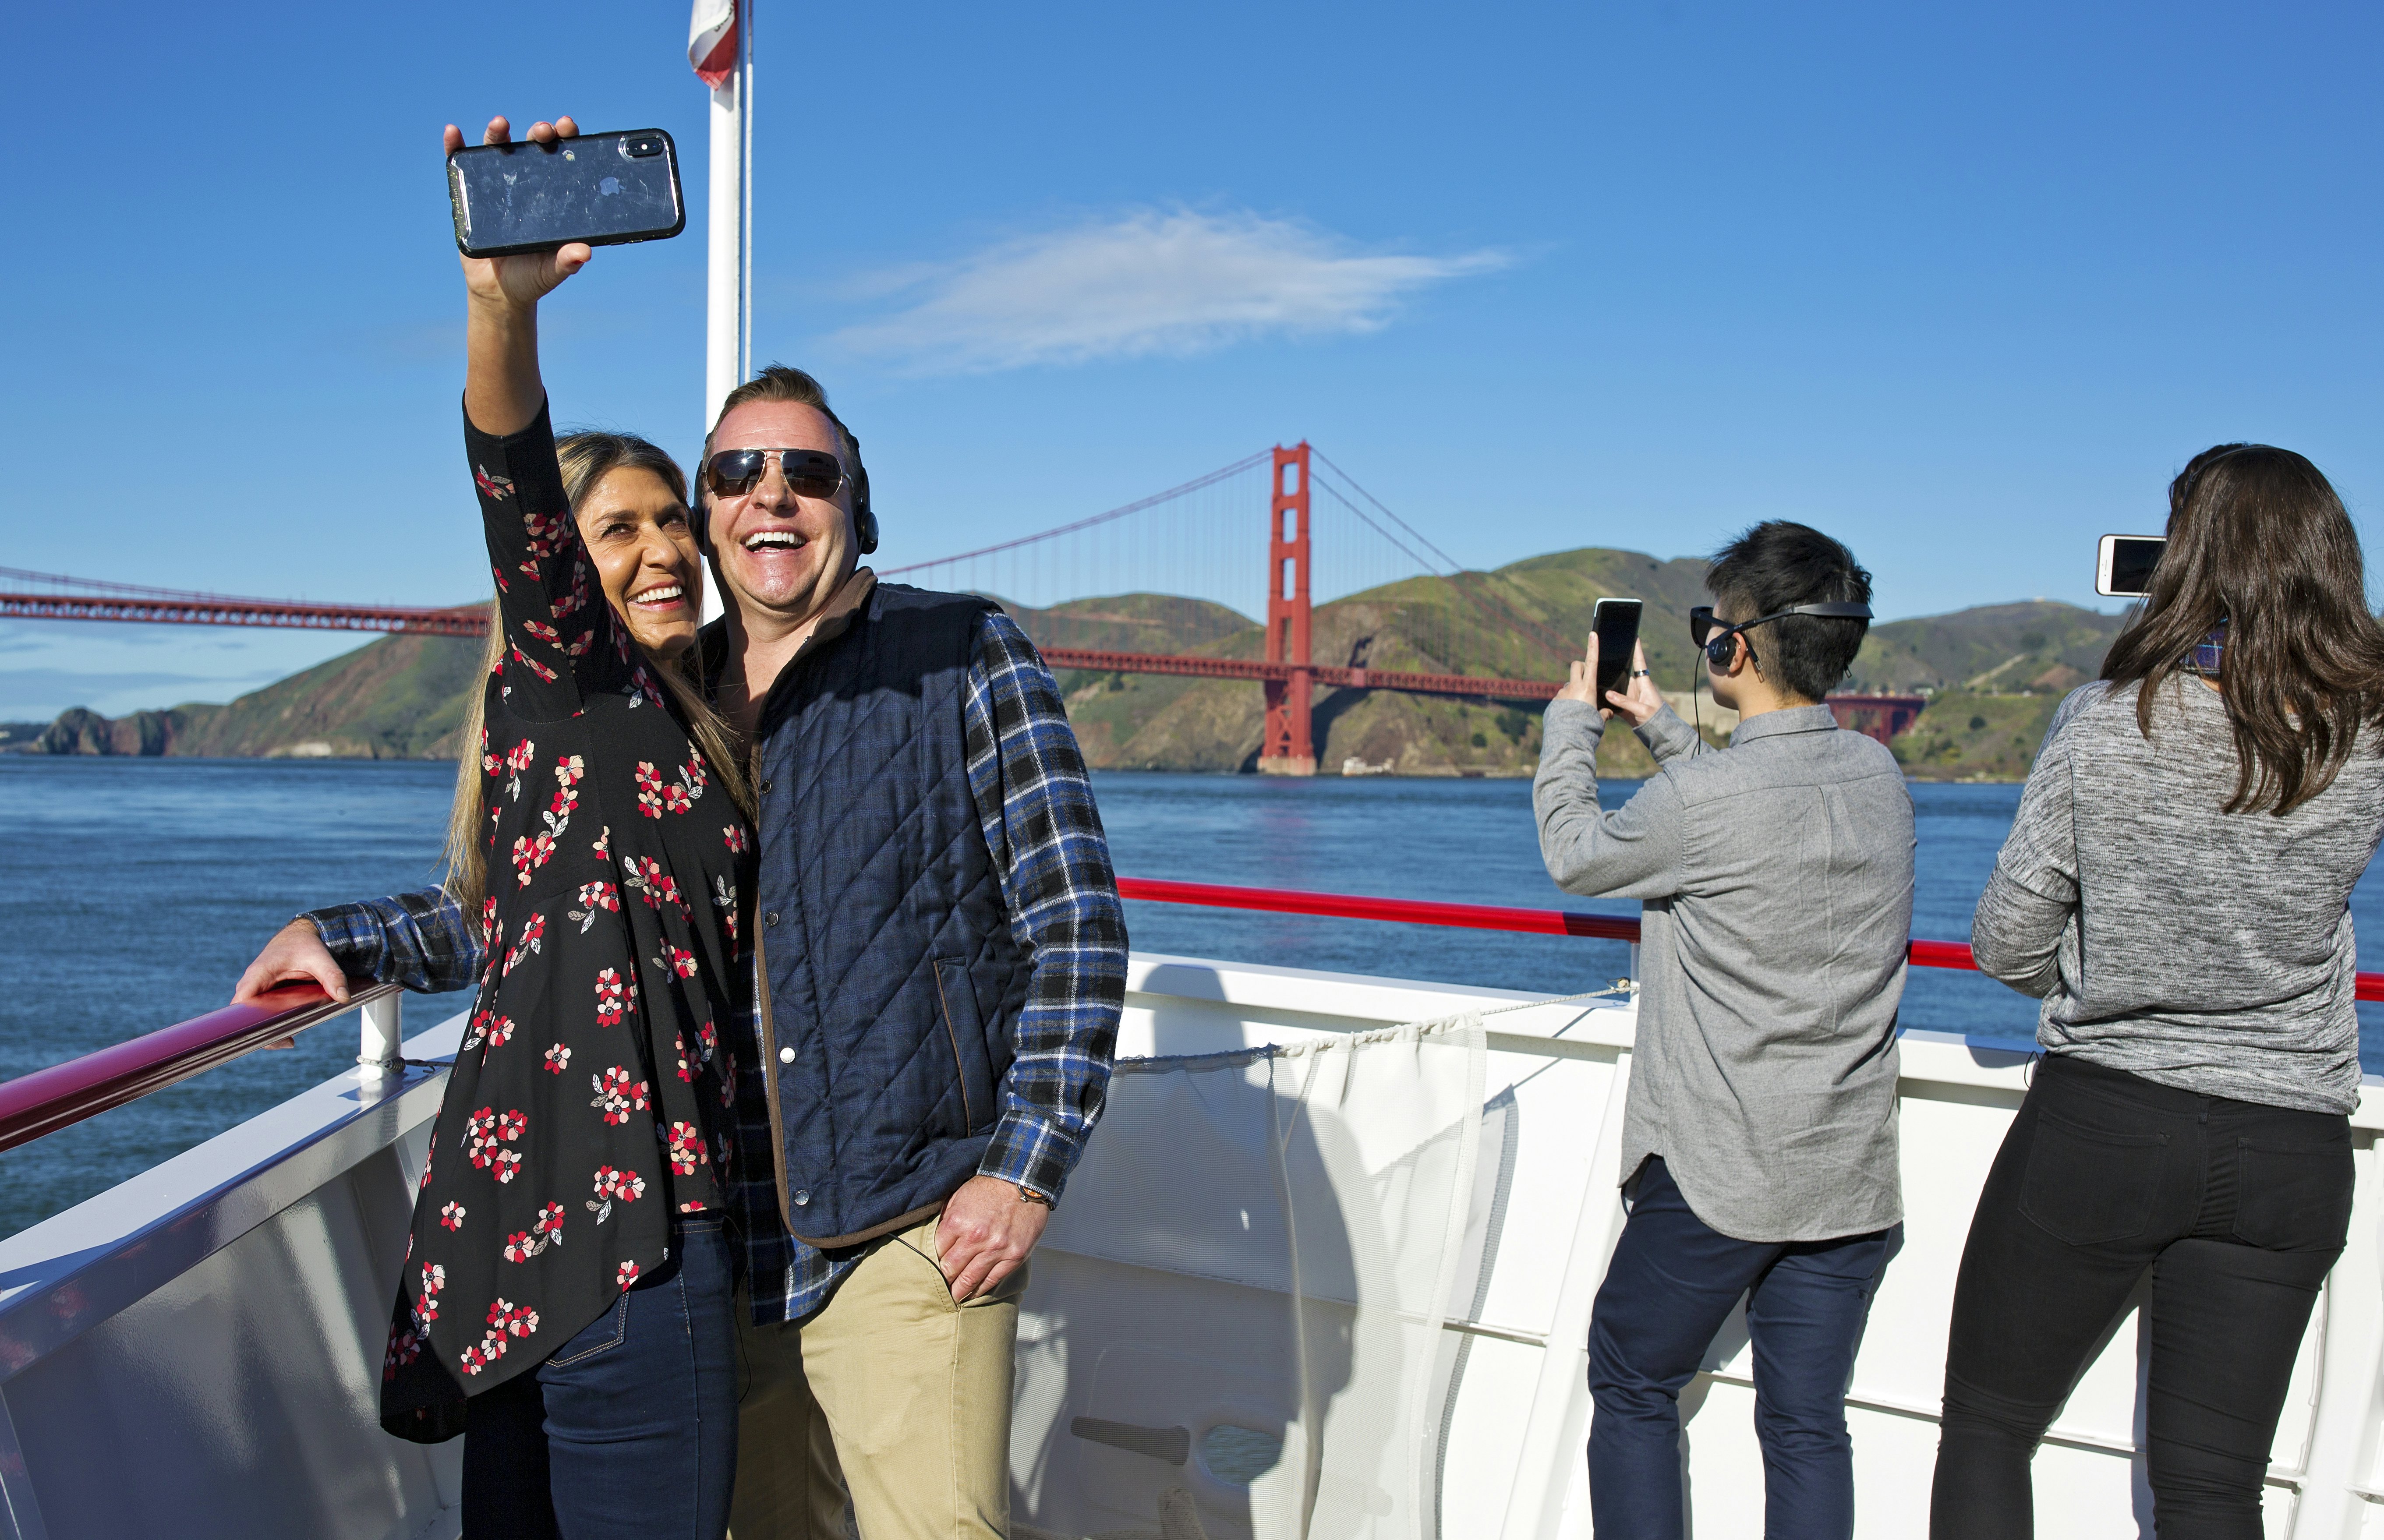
1235	1319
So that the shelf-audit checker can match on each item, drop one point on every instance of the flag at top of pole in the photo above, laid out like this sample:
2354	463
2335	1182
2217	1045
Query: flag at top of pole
712	40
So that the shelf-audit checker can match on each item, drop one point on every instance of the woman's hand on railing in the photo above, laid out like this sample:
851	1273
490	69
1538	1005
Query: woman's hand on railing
295	955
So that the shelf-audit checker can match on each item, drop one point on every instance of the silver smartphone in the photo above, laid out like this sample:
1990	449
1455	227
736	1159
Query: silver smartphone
605	189
2123	567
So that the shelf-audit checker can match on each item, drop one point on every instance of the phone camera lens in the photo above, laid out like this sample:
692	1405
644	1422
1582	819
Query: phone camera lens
642	145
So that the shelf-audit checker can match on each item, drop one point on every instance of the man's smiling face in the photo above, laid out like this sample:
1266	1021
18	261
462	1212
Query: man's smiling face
780	555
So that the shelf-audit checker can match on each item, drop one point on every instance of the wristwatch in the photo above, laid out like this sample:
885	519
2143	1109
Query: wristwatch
1028	1195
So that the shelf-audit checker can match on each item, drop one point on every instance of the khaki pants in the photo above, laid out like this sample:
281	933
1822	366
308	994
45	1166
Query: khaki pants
892	1396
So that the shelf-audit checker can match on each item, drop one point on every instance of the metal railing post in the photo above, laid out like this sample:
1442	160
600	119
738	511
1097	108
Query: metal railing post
382	1034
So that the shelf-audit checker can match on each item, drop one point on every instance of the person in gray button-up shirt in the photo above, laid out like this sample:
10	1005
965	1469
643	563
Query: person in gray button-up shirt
1759	1136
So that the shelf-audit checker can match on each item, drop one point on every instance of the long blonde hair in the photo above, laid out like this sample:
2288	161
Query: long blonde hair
586	459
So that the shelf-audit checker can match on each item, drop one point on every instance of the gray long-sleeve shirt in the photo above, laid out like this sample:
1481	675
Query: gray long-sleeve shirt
1777	879
2203	950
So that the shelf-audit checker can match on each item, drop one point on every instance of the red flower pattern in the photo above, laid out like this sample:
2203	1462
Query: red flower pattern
687	1151
611	1095
596	898
527	944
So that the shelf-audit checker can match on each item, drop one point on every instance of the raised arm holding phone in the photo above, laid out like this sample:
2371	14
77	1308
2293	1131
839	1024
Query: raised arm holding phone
1759	1136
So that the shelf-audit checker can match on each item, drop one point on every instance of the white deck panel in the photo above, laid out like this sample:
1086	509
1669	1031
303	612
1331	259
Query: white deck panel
197	1351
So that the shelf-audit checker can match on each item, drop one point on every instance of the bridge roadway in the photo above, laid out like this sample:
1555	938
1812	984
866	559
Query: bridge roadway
1881	717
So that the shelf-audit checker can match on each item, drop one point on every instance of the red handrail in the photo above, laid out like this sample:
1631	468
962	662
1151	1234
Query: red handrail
49	1100
1478	916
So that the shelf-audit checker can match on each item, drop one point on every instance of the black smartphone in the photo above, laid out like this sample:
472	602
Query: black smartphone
1615	621
2123	566
605	189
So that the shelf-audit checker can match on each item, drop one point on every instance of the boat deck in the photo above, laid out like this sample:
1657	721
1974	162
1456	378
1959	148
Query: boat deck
222	1316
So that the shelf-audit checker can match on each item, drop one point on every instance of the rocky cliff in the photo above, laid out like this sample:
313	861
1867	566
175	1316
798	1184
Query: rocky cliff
398	698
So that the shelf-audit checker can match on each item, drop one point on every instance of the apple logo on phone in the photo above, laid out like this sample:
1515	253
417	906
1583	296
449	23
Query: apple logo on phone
609	186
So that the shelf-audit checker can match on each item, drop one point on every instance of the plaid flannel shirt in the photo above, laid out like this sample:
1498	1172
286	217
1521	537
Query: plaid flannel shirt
1035	806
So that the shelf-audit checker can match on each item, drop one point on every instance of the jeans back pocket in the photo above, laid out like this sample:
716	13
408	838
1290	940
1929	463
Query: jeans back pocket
2087	1185
2294	1197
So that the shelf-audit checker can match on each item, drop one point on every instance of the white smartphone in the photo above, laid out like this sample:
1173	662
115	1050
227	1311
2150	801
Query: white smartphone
2123	567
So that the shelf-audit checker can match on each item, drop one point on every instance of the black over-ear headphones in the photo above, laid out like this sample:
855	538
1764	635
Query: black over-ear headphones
1718	644
865	519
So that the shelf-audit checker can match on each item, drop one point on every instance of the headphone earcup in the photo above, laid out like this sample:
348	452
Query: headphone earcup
865	518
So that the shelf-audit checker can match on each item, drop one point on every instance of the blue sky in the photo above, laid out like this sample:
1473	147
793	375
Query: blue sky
1964	286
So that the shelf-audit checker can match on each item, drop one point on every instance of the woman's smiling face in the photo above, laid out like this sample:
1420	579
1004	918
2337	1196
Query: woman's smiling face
638	531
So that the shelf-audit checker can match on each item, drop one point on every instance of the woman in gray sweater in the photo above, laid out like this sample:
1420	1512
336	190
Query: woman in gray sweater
2175	890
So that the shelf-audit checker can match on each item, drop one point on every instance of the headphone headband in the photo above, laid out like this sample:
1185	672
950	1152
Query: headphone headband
1718	647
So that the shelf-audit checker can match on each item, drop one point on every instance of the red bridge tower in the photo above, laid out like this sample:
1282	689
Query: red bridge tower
1286	749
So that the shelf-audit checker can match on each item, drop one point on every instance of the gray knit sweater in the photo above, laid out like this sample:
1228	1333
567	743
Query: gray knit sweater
2207	951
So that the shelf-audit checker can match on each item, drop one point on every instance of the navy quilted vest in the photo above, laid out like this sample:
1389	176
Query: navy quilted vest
893	977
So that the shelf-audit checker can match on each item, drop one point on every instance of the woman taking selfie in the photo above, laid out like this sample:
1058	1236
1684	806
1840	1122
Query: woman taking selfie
2176	890
566	1296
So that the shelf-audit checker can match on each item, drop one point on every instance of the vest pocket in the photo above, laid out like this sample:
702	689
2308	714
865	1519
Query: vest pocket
2087	1185
964	1031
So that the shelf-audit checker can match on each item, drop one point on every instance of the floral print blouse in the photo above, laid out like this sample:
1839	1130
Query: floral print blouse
590	1095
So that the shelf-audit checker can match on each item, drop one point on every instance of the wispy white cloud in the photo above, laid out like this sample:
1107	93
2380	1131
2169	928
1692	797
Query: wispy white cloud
1150	281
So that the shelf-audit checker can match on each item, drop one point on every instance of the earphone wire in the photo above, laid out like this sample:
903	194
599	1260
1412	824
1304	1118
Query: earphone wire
1696	707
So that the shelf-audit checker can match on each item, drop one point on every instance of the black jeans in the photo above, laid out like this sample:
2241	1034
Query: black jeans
2237	1210
628	1432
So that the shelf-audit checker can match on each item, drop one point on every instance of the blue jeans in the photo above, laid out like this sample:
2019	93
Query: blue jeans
1671	1284
628	1432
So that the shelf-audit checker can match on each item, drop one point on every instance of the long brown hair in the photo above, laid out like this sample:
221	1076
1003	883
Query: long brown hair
2258	540
586	459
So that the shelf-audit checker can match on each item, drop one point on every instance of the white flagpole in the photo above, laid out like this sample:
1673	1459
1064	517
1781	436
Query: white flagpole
745	191
728	255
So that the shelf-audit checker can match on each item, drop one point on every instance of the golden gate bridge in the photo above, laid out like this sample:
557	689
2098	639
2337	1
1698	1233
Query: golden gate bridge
1420	609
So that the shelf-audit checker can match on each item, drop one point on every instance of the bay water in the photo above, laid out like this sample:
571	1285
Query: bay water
133	892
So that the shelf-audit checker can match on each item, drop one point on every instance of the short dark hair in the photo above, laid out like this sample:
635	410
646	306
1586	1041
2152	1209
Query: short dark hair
1777	566
785	382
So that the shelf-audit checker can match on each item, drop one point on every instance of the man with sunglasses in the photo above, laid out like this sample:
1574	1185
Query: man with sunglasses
943	963
1759	1132
940	964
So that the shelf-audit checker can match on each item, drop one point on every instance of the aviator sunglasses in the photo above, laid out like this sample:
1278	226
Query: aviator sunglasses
809	472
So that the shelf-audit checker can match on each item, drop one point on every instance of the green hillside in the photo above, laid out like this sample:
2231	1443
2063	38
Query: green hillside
1993	675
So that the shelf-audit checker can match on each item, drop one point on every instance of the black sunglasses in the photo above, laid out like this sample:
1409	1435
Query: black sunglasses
809	472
